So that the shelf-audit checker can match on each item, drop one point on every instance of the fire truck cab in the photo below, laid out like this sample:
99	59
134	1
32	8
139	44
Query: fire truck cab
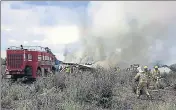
29	61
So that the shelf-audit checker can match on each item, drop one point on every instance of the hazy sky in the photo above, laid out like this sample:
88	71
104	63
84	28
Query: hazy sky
51	24
55	24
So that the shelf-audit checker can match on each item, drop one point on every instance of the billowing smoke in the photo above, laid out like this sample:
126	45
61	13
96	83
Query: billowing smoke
128	32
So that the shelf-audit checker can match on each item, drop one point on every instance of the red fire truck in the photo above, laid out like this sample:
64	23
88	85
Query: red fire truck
29	61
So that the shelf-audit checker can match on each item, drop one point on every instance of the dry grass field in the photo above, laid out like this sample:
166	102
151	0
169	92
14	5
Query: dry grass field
101	90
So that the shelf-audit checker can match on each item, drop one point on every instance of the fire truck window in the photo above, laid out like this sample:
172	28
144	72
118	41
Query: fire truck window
43	57
46	58
39	57
29	57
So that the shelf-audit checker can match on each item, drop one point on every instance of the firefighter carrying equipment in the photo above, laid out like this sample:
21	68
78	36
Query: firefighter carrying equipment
142	83
156	76
67	69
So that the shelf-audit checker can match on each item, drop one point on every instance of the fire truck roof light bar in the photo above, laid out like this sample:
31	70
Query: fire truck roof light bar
29	48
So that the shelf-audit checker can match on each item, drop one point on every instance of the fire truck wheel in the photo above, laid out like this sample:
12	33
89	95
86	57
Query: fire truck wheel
14	78
28	70
39	73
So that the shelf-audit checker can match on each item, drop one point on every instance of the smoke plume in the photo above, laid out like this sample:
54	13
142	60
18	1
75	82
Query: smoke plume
128	32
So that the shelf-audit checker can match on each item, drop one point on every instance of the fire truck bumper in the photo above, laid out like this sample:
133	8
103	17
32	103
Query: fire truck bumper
8	76
16	72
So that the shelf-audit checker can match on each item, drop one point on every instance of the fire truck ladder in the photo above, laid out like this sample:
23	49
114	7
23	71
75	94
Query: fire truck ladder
30	48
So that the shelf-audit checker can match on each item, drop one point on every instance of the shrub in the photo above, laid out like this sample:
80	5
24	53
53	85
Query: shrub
99	90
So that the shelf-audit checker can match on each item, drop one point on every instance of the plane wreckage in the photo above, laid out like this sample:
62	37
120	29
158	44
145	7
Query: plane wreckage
78	67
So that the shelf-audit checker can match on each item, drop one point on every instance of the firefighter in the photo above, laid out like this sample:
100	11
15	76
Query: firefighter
67	69
146	69
71	69
149	76
118	69
155	76
142	78
60	68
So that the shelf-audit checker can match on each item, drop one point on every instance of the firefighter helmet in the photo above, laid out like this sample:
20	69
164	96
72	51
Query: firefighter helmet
145	67
156	67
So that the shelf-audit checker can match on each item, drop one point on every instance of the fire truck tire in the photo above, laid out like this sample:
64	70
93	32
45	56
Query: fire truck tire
53	69
43	72
28	70
39	72
14	78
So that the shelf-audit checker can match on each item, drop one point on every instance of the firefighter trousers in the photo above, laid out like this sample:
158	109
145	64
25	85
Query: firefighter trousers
142	86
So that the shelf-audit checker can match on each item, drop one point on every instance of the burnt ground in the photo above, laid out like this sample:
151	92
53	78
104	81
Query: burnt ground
101	90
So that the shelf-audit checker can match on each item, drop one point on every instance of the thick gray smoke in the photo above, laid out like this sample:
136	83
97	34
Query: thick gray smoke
128	31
